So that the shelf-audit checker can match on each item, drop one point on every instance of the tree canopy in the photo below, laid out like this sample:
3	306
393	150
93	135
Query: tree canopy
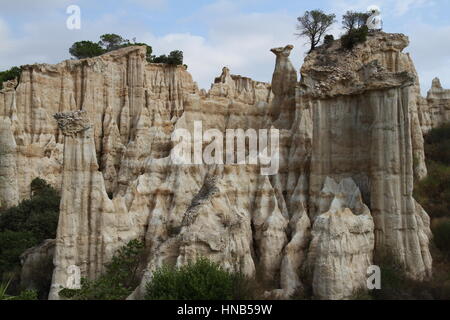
86	49
10	74
313	25
354	20
110	42
27	225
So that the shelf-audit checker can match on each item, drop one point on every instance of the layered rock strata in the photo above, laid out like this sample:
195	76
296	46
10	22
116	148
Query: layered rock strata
350	149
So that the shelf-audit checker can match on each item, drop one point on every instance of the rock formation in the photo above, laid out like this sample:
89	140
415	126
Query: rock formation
364	112
434	111
350	149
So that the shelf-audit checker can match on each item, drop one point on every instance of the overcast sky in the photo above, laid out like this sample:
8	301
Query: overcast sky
214	33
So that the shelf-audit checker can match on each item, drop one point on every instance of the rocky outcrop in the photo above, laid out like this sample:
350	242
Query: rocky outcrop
350	148
434	111
343	241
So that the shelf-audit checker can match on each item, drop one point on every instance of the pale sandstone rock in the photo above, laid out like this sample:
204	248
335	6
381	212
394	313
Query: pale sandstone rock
354	115
9	192
342	243
362	105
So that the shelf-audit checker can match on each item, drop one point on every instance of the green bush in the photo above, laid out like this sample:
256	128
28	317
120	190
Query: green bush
25	226
86	49
354	36
12	245
119	280
433	193
111	41
442	236
11	74
24	295
328	40
202	280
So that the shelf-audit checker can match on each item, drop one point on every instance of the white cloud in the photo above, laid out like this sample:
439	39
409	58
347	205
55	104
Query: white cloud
151	4
27	6
240	41
388	7
429	48
403	6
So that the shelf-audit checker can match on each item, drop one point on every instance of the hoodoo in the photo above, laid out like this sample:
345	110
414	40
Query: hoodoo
350	149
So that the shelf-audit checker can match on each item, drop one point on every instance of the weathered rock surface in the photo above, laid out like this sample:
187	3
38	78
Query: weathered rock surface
342	243
434	111
363	106
355	118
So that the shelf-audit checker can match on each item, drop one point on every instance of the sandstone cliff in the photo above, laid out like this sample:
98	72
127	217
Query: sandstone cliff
351	146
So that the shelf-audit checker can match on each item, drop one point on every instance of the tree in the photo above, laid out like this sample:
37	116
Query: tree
313	25
354	36
86	49
175	58
354	20
112	41
11	74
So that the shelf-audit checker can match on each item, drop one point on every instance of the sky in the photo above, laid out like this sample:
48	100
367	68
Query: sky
214	33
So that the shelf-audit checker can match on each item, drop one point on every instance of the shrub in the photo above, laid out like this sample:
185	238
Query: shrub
27	225
354	20
119	280
11	74
12	245
434	191
24	295
202	280
112	41
442	236
354	36
328	40
27	295
437	145
313	25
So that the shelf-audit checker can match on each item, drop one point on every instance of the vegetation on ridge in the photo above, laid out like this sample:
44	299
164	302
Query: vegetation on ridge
11	74
199	280
314	24
110	42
